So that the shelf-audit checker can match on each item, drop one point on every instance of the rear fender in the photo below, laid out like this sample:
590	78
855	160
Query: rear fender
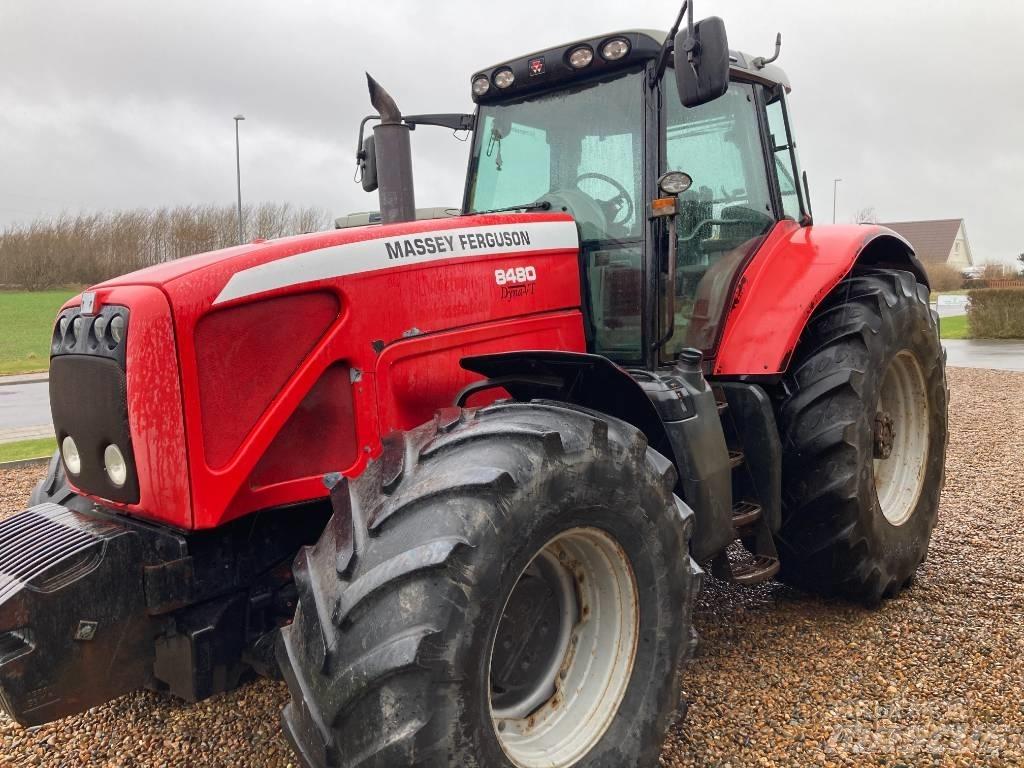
787	280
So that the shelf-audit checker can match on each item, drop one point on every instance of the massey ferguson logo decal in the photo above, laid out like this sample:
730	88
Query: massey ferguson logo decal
455	244
381	253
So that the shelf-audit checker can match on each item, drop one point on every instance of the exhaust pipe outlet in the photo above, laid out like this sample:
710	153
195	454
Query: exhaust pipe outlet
394	158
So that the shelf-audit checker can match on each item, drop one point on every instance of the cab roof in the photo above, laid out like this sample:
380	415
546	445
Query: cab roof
550	66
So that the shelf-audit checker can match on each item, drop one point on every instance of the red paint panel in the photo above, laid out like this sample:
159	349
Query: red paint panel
379	309
792	272
154	406
245	354
417	376
319	437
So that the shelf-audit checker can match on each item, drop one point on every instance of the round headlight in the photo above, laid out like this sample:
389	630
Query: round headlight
113	463
615	49
674	182
481	85
69	451
99	327
117	328
581	57
503	78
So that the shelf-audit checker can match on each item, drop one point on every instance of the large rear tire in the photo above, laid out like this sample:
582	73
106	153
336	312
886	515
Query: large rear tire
863	426
513	587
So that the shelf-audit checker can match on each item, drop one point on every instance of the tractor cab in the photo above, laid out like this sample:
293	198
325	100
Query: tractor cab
589	128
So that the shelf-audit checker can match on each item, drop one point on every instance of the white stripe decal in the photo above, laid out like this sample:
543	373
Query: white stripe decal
390	252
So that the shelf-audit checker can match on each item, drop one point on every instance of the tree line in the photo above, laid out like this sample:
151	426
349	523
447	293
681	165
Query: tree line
89	248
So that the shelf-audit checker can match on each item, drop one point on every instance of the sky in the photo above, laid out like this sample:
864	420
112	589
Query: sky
917	106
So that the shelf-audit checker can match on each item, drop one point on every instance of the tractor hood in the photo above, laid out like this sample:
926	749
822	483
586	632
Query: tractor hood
242	376
337	253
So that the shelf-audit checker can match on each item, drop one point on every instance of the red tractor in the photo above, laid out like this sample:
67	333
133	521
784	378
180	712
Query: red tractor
454	478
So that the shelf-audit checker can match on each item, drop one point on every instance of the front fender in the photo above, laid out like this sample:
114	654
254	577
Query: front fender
592	381
786	281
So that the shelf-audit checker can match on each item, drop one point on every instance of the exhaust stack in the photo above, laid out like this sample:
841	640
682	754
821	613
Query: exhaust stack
393	151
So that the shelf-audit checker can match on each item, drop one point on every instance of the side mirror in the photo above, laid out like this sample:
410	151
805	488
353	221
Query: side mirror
702	62
368	165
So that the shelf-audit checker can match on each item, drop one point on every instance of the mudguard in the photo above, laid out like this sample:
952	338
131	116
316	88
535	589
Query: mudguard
785	282
592	381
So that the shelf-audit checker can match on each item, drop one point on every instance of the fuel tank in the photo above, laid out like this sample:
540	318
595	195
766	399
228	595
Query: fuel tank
246	374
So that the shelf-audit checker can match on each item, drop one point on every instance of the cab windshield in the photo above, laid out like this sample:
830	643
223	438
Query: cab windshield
581	150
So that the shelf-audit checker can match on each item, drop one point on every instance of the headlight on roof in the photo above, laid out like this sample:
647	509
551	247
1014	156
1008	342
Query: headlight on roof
503	78
581	57
481	85
615	49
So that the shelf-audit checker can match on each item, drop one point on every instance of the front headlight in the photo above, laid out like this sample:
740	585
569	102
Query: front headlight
115	466
117	328
99	327
69	451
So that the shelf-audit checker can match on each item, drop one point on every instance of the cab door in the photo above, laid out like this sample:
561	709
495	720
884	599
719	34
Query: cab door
725	214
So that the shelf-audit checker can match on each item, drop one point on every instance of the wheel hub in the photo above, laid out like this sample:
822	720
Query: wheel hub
885	434
902	425
564	650
532	638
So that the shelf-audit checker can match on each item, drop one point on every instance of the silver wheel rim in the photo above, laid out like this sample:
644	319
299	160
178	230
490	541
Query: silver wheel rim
903	406
574	696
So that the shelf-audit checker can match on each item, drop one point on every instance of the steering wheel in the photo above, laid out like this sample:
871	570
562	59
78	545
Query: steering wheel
614	206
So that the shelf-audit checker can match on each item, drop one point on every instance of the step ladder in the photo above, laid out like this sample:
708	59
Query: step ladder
755	560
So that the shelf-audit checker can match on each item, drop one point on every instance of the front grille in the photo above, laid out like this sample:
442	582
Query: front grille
89	402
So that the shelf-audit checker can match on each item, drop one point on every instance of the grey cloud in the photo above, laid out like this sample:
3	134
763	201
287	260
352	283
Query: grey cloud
118	104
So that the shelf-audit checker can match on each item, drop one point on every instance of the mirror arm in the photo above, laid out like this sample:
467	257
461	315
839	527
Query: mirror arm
360	154
658	71
456	122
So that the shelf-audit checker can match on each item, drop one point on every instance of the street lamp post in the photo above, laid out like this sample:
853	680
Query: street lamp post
238	176
835	187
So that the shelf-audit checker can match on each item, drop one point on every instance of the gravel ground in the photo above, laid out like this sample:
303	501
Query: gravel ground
933	678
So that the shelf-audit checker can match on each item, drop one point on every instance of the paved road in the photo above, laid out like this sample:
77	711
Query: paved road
24	411
1001	355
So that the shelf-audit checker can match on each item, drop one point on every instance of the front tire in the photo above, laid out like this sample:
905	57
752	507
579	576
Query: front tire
863	425
492	559
54	488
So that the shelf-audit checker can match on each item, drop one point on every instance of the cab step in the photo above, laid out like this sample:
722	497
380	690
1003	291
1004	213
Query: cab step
745	514
759	569
735	458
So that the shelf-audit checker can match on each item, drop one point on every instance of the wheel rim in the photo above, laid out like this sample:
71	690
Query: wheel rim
901	438
564	651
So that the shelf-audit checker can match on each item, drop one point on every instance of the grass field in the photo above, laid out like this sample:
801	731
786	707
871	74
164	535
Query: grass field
27	449
26	321
954	327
